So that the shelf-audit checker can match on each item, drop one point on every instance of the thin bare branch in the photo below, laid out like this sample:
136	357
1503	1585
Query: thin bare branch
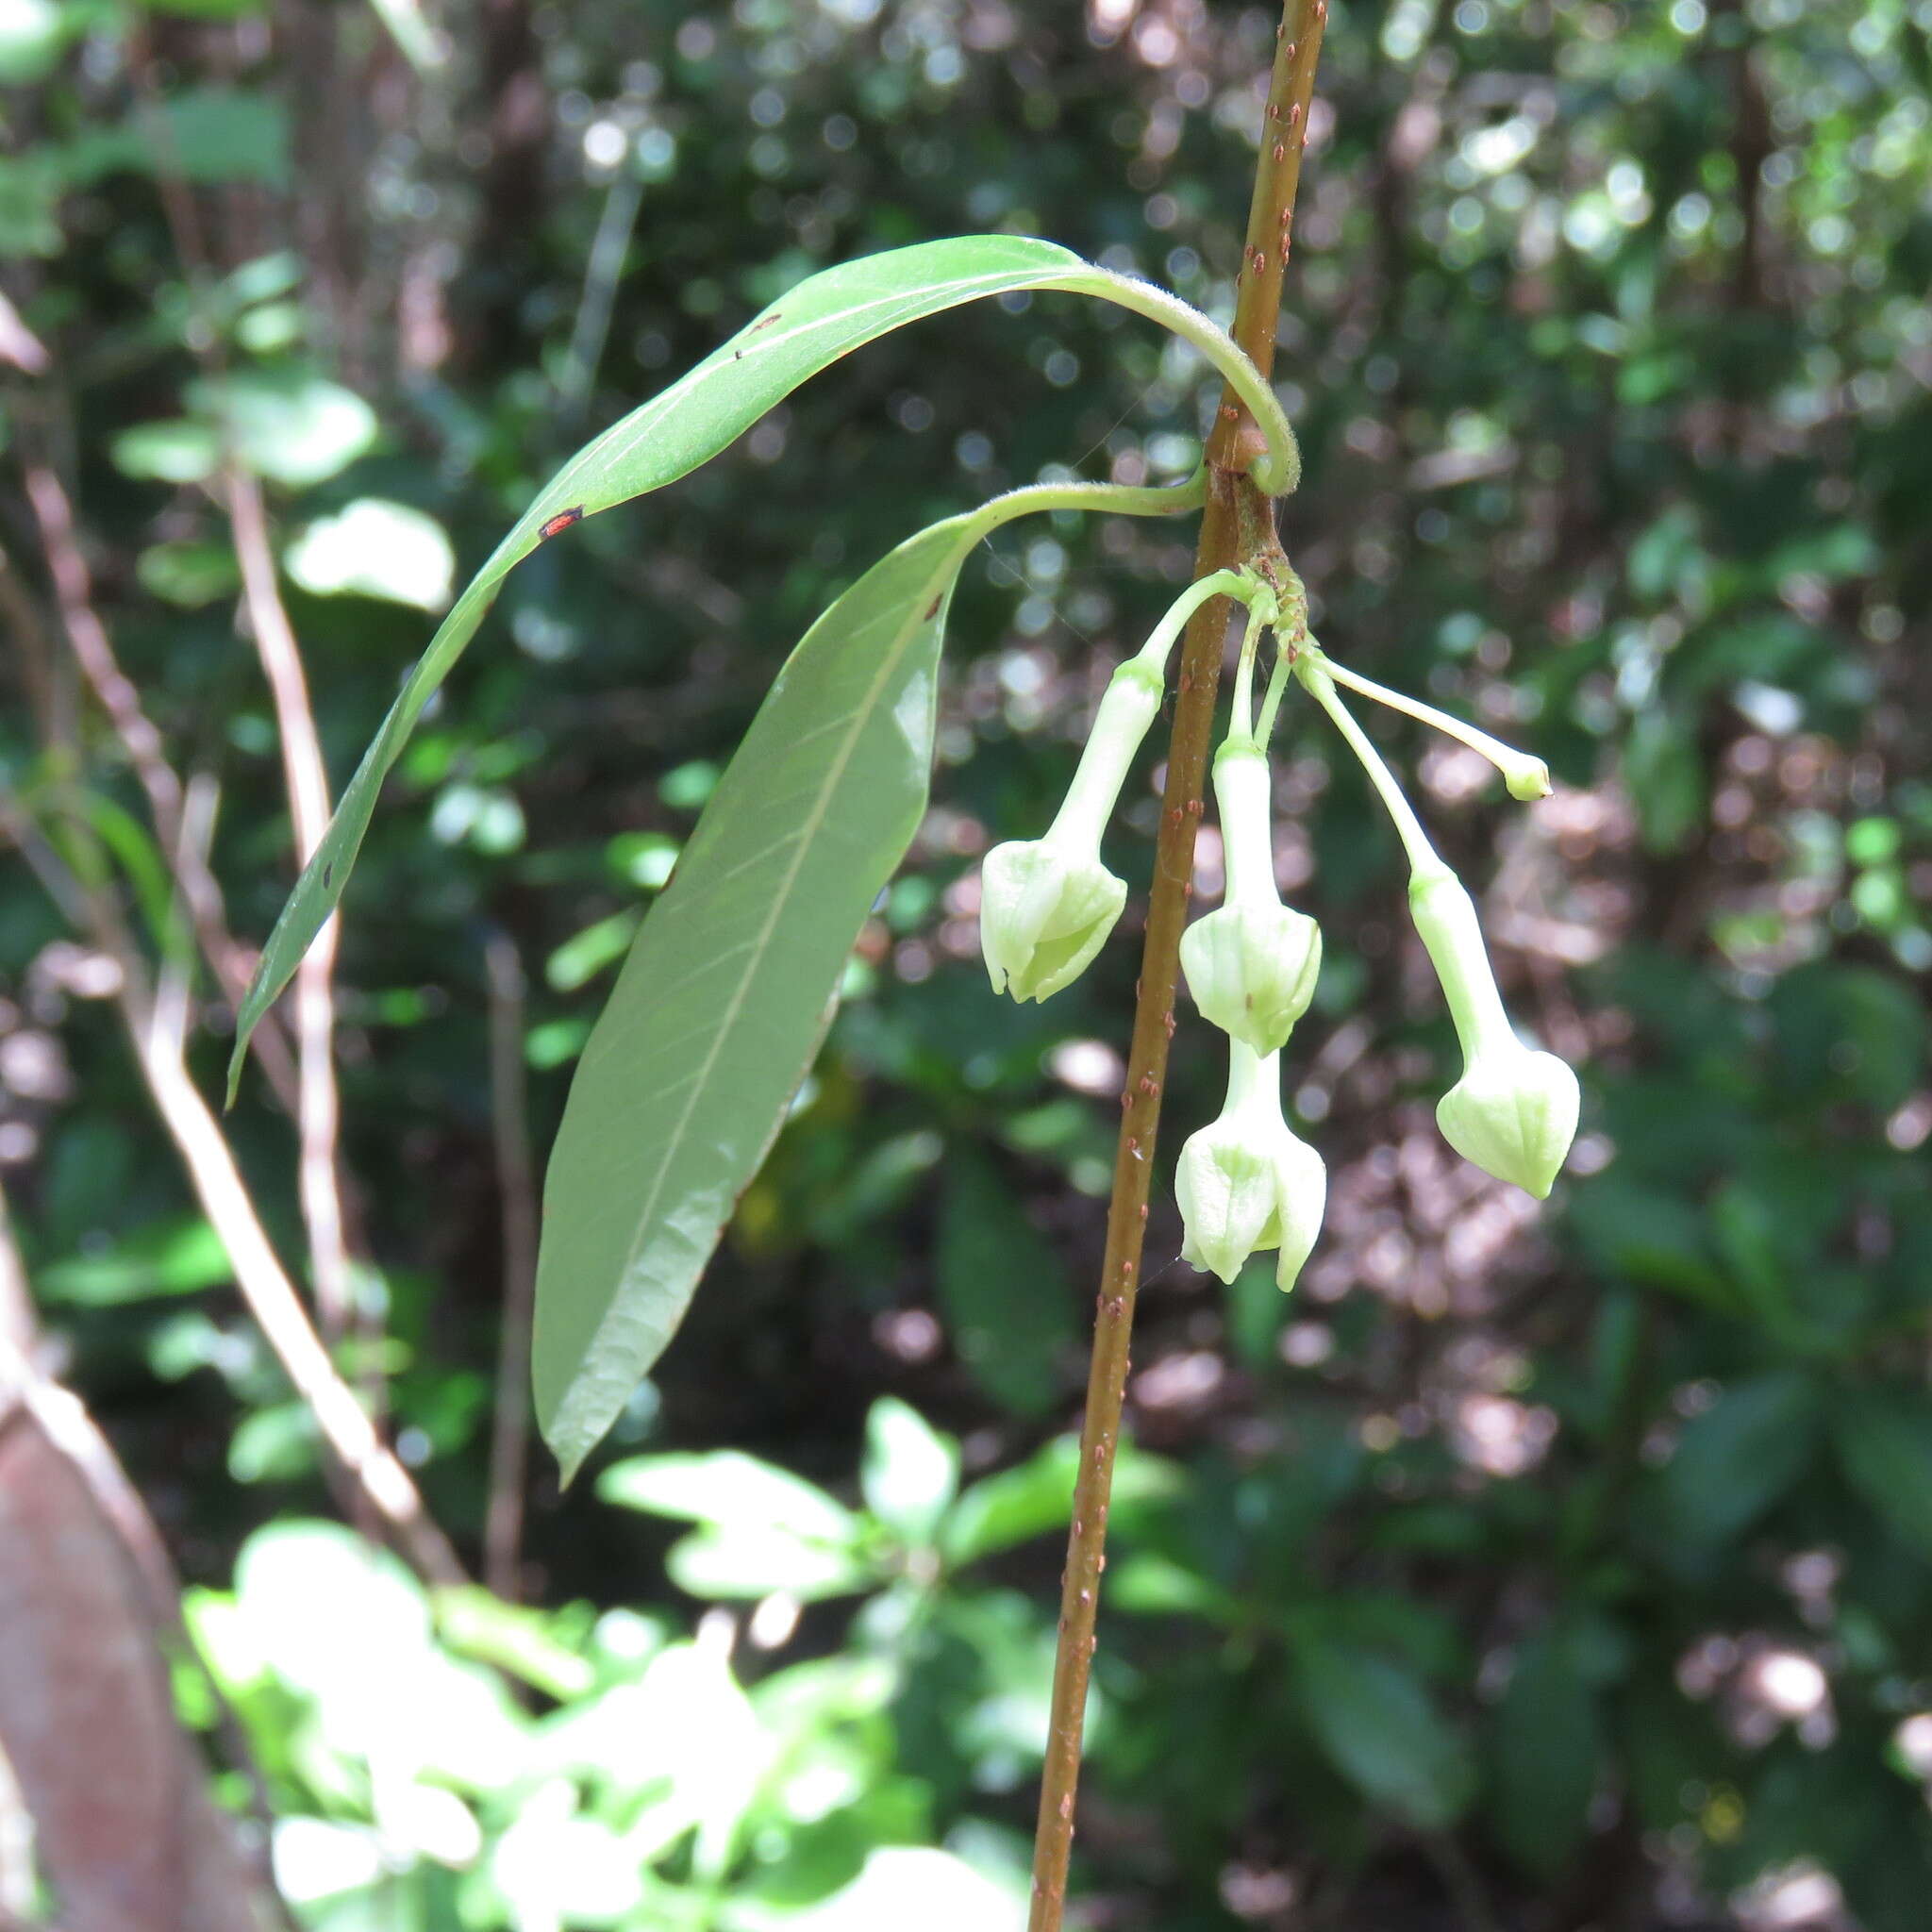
272	1299
93	651
318	1102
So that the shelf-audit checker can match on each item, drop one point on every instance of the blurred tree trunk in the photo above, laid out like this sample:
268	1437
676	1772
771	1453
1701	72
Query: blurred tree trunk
123	1833
516	110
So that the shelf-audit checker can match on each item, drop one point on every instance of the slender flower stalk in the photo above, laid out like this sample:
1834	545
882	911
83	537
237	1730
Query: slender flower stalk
1047	905
1222	583
1312	668
1527	778
1251	963
1514	1110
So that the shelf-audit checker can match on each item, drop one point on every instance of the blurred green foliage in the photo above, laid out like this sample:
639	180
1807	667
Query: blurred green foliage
1533	1568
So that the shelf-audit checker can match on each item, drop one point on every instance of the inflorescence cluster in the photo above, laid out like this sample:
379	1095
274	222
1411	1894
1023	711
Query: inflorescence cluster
1247	1182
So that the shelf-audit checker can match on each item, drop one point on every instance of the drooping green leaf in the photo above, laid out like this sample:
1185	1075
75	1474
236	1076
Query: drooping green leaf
720	1008
722	1004
824	318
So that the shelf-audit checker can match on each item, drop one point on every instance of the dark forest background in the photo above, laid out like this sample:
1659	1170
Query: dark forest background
1548	1568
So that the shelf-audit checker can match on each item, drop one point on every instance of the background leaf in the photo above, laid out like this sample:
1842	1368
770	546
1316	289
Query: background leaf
911	1471
1376	1724
1006	1298
1737	1458
1884	1443
1547	1747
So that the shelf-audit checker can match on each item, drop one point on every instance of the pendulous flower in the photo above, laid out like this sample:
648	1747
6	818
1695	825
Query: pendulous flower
1247	1182
1251	963
1047	905
1514	1112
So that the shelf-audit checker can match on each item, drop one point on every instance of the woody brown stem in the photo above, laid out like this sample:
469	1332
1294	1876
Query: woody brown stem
1238	524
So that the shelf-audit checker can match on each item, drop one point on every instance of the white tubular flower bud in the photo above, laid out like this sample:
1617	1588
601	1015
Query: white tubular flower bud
1252	963
1514	1112
1047	905
1247	1183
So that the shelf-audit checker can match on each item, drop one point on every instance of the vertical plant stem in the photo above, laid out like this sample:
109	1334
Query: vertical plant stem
1234	511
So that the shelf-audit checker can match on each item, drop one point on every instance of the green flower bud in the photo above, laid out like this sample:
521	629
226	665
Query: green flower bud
1047	905
1247	1182
1527	778
1251	963
1514	1112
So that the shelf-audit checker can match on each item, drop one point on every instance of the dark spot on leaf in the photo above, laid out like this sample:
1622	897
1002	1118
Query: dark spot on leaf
932	609
766	321
329	874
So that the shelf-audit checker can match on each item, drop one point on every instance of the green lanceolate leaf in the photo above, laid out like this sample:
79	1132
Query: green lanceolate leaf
824	317
720	1008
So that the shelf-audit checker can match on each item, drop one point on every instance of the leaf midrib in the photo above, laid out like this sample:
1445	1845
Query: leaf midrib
888	663
682	391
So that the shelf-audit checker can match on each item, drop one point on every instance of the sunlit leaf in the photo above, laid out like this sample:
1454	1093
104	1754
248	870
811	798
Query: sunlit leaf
1036	1495
374	548
730	1489
911	1471
824	318
288	425
721	1006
